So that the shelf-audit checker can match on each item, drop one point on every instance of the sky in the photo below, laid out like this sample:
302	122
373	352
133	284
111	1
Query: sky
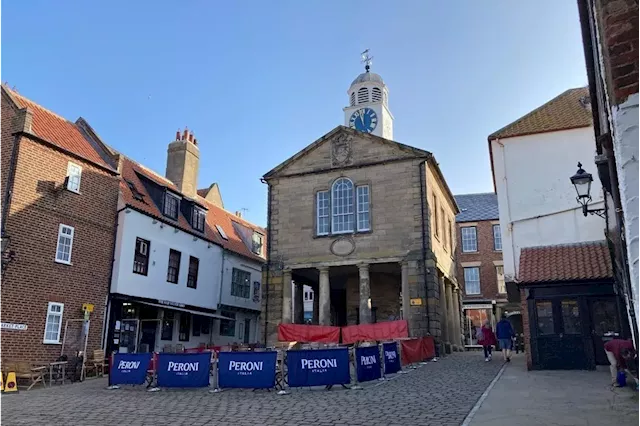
258	81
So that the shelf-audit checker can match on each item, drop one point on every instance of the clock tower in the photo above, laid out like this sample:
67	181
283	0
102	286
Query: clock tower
368	109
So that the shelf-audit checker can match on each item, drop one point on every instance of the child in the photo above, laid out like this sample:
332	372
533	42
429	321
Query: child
487	340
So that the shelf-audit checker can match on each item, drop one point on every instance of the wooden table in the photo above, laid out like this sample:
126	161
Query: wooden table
59	364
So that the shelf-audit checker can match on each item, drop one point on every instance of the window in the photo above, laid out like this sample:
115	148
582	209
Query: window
228	327
54	323
141	257
256	243
192	276
198	218
500	277
363	95
450	230
134	191
65	244
342	205
544	309
363	207
469	239
571	317
221	232
376	95
472	280
74	175
174	266
197	325
441	226
497	238
167	326
322	212
185	327
352	99
436	218
240	283
171	204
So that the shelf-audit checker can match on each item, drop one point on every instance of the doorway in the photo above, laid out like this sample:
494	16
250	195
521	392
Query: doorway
247	330
605	325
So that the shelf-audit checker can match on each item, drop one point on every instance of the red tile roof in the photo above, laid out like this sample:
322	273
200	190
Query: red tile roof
57	130
566	262
215	215
563	112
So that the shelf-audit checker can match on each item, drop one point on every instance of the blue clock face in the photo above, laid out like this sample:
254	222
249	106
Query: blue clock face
364	120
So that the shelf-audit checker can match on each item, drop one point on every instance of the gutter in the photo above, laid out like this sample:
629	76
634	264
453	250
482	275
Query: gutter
423	195
266	283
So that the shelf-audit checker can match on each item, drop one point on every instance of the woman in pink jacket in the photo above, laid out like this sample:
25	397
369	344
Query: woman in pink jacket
487	340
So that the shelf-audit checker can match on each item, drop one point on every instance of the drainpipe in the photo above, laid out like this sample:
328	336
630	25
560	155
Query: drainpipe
266	283
506	193
8	192
425	271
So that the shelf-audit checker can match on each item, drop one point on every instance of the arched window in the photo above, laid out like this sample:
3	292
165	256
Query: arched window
353	99
376	94
342	198
363	95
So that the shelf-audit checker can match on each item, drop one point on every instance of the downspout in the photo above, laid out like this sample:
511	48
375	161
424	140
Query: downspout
506	193
8	192
266	283
425	271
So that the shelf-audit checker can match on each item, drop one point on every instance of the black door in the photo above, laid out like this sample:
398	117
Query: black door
605	325
148	335
559	334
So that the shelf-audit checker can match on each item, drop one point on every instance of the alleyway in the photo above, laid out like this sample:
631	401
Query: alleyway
555	398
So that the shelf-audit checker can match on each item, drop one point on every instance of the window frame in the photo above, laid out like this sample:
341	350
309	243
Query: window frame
257	249
192	279
198	218
327	207
70	237
495	240
360	211
184	327
167	324
351	199
227	324
177	268
462	240
145	257
71	165
168	195
238	287
436	217
504	284
46	323
466	281
450	232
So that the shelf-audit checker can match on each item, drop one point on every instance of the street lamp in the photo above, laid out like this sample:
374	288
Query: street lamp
582	182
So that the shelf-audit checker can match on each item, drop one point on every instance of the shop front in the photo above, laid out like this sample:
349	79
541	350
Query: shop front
475	316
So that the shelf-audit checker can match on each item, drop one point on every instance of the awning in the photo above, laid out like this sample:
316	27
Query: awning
191	311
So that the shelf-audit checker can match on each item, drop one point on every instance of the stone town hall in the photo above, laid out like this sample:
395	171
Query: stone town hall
368	223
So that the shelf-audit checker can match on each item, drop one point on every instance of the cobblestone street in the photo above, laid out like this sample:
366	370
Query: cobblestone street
438	393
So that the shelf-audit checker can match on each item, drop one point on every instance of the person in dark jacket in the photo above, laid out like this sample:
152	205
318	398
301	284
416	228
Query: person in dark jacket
505	333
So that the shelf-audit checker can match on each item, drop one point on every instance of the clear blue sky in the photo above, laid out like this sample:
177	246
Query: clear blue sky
257	81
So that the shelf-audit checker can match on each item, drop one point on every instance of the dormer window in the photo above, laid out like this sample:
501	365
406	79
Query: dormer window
171	205
198	218
134	191
256	243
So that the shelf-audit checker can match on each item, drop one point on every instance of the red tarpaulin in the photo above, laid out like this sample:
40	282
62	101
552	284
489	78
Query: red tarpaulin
428	347
380	331
308	333
416	350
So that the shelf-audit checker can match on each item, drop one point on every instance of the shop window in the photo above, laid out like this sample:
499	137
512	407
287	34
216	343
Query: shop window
228	326
544	311
185	327
167	326
571	317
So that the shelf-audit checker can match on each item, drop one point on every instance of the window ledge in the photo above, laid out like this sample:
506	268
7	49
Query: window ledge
343	234
48	342
62	262
72	191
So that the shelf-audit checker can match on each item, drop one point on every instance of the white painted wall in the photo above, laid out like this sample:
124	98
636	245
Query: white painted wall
255	268
163	238
536	199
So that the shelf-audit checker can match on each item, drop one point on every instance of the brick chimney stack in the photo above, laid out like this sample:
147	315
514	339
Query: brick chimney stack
183	161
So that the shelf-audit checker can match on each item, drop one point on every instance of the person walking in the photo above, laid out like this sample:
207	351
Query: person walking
487	340
504	332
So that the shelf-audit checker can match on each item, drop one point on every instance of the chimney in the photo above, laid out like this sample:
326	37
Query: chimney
183	160
239	213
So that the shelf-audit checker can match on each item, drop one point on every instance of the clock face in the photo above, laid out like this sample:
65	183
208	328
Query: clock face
364	120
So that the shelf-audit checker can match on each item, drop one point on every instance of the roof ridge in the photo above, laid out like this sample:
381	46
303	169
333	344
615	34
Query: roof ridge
575	244
37	105
476	193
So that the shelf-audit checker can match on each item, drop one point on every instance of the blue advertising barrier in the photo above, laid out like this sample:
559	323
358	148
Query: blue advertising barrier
391	358
368	363
254	370
129	369
186	370
318	367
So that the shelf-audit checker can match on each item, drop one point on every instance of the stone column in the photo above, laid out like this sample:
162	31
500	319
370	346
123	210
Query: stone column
286	297
298	304
444	312
316	305
365	294
450	312
456	319
404	288
324	295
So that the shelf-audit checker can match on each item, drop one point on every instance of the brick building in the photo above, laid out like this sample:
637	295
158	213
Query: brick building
480	269
60	191
367	223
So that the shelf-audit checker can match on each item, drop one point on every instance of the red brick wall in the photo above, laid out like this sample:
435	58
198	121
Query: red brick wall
485	254
525	328
33	279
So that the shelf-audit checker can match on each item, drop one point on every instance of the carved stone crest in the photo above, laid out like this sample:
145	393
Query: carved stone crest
343	246
341	151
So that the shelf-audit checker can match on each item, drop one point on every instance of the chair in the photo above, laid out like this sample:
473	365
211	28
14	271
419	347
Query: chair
96	363
33	374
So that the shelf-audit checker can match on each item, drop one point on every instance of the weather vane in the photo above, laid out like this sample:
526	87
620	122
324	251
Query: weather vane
366	59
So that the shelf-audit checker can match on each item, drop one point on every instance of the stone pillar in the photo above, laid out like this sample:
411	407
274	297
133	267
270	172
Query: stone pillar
404	288
365	294
316	306
324	315
298	304
450	312
286	297
457	322
444	312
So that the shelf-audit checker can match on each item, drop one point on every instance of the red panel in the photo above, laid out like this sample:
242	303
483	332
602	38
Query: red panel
308	333
428	347
411	351
380	331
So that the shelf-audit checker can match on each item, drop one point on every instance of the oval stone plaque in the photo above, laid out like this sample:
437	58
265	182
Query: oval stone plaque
343	246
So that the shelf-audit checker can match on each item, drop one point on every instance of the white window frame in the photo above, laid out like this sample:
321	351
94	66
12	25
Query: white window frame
71	166
360	208
462	237
46	323
499	237
327	208
466	281
502	286
257	246
60	234
350	199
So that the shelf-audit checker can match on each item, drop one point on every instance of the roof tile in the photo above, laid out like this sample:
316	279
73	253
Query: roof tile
474	207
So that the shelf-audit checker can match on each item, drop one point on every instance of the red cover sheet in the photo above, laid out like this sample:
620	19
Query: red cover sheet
308	333
417	350
428	347
380	331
